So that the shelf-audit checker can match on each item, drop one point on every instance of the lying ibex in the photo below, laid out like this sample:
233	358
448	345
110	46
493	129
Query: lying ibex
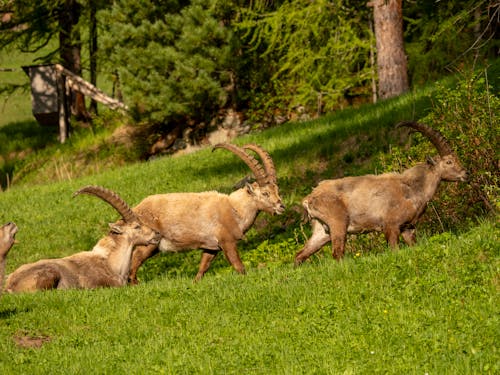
390	203
210	221
106	265
7	237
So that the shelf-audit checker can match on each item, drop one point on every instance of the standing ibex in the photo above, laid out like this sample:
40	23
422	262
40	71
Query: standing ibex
210	221
390	203
106	265
7	237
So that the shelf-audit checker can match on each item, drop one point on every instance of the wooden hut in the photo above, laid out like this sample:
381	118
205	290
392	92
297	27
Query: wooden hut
51	85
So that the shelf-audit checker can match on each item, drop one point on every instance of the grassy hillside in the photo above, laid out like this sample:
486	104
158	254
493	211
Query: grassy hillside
54	224
433	308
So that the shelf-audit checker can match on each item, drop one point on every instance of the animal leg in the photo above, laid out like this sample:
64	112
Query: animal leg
231	253
331	211
338	233
206	260
34	278
391	233
317	240
409	236
139	256
338	237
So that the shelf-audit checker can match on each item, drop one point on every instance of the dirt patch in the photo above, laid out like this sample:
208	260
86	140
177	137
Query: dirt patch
29	341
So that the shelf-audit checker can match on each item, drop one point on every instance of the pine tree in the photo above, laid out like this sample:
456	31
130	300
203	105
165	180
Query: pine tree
173	58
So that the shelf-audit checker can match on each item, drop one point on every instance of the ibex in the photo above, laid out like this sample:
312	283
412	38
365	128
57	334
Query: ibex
390	203
210	221
7	238
106	265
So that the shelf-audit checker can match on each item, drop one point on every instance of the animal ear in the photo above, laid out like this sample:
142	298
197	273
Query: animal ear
242	183
250	188
116	229
430	161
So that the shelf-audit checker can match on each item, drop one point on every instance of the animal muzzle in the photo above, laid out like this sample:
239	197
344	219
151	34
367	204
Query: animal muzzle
279	209
12	227
156	239
464	176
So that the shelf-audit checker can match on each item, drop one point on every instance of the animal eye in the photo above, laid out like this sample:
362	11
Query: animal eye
449	162
265	194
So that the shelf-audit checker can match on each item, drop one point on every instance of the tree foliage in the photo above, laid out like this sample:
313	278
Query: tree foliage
318	51
31	25
181	61
173	57
442	36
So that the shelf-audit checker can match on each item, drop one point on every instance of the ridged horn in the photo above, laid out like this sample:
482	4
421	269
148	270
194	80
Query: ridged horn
253	164
266	160
112	198
436	138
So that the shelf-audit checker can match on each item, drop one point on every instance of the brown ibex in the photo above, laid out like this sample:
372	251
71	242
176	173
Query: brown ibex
106	265
390	203
7	238
210	221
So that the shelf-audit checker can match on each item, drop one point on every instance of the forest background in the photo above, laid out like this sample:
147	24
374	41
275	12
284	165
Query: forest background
185	68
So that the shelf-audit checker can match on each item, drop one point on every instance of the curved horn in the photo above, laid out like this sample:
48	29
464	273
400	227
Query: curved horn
437	139
266	160
112	198
253	164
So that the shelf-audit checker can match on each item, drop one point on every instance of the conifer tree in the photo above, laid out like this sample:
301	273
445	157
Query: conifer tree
318	50
173	58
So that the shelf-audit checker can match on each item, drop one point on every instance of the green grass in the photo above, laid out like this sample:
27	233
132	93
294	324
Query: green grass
430	309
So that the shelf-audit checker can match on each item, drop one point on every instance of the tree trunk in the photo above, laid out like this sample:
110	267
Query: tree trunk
70	50
93	51
391	57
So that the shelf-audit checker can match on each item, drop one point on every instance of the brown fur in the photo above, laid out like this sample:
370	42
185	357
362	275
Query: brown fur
210	221
7	238
390	203
106	265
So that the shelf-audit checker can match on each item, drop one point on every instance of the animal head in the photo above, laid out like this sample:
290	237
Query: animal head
135	232
267	198
7	237
130	226
265	190
446	164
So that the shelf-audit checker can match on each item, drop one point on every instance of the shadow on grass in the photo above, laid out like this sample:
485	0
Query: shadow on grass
8	313
19	139
18	136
